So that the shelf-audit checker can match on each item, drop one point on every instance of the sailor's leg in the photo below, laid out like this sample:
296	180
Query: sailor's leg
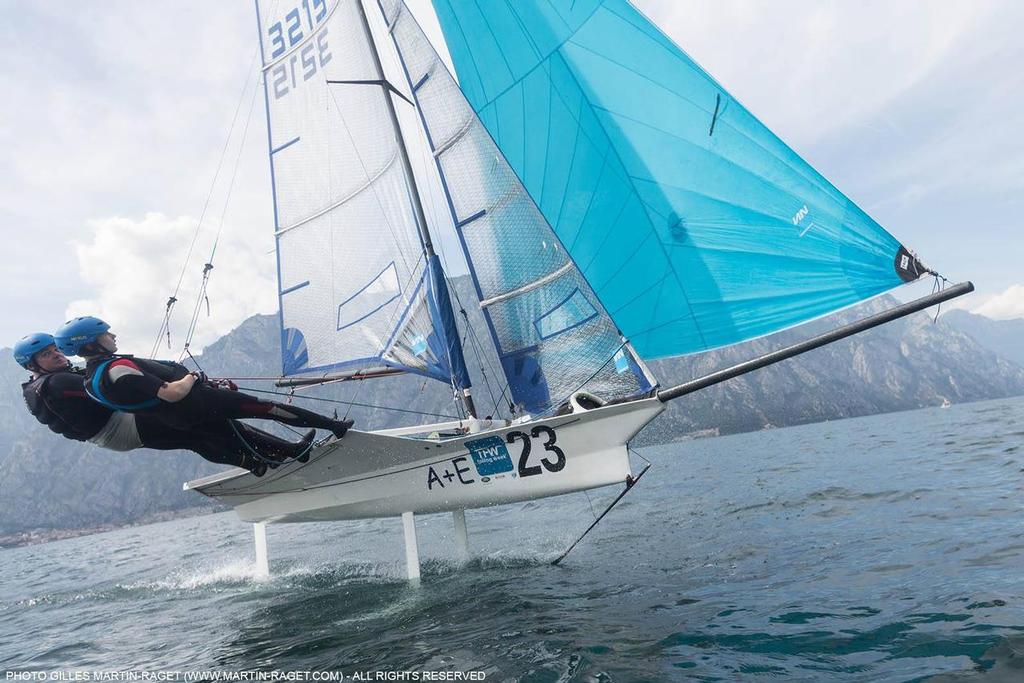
159	436
262	563
461	536
298	417
412	551
213	441
236	404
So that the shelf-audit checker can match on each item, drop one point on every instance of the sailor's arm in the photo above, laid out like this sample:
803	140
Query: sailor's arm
172	392
131	384
177	368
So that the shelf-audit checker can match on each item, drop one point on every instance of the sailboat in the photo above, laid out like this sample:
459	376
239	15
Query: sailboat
614	205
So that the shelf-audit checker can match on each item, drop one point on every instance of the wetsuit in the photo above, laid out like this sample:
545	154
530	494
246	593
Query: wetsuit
131	384
59	401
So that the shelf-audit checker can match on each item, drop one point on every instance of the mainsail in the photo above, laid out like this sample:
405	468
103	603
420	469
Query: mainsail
694	224
552	333
357	286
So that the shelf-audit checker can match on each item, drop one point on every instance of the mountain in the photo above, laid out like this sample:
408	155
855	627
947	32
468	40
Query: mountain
1005	337
48	483
910	363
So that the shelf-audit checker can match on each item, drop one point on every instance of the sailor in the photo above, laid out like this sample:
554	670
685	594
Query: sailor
167	390
55	396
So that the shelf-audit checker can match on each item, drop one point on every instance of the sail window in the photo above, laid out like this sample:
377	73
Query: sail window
572	311
372	297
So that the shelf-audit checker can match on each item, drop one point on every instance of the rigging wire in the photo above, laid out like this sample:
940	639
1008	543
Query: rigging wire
631	481
353	403
203	296
165	325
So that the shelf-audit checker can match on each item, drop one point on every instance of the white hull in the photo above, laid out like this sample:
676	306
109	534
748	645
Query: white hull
369	474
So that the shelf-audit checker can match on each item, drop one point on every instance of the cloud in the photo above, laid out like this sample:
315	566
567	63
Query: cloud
812	69
124	112
132	267
1005	305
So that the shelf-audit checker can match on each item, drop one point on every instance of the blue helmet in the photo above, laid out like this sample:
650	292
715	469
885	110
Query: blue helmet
76	333
27	347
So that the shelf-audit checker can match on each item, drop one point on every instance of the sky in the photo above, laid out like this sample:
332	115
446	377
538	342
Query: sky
117	117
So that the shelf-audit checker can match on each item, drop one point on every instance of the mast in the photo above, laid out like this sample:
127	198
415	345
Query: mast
442	299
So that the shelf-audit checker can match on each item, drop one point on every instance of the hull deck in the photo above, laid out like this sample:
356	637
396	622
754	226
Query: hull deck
370	474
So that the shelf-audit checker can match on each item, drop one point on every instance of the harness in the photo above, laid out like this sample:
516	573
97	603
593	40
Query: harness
96	393
37	405
76	419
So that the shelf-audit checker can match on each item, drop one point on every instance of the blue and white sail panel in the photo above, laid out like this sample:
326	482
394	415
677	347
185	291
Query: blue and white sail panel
551	332
696	226
354	283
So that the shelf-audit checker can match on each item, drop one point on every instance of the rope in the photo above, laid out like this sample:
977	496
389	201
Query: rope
938	285
479	350
501	397
480	357
291	394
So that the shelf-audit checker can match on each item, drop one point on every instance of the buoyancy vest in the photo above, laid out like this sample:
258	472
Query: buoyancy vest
58	400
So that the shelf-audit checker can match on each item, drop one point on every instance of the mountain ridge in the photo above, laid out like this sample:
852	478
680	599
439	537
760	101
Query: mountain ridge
1005	337
48	484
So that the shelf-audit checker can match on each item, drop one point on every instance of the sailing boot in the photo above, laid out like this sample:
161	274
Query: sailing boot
255	467
340	427
275	449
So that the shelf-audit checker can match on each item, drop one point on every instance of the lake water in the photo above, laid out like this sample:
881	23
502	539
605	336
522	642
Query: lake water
888	548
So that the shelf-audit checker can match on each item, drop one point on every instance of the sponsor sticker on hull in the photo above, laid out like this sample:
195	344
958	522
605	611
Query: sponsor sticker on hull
490	456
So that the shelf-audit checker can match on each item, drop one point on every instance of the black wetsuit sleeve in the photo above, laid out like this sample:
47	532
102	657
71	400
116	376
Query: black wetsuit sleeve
169	370
65	385
129	383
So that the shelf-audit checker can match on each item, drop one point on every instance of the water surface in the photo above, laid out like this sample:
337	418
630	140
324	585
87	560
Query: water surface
888	548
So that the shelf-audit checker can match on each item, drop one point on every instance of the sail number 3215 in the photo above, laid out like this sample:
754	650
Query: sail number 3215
304	63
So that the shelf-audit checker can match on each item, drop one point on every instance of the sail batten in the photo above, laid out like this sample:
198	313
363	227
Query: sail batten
343	200
358	288
681	207
455	137
540	282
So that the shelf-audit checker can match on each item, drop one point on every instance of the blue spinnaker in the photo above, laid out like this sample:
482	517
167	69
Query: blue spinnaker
693	223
